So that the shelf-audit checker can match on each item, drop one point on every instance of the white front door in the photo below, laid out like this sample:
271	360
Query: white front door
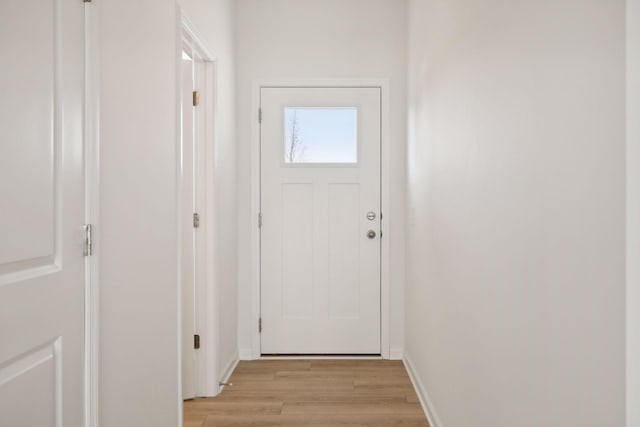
41	213
320	234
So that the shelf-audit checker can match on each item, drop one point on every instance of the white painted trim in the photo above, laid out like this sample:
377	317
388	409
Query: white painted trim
385	201
178	207
423	396
92	210
57	356
396	354
255	210
190	35
385	116
321	357
633	215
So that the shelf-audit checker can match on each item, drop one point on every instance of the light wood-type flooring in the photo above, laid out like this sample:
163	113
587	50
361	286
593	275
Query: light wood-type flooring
311	393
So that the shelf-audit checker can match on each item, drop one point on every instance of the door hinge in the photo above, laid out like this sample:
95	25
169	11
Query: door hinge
259	115
196	220
196	98
88	240
196	341
260	325
260	220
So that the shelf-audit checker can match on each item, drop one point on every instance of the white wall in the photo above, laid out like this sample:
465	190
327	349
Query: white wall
215	21
515	239
138	246
633	213
297	39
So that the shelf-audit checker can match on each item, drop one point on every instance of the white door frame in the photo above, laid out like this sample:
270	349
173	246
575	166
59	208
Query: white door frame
206	374
633	216
385	144
92	209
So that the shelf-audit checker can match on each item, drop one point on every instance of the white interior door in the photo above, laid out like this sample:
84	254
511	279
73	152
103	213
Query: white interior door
199	372
188	233
320	234
41	213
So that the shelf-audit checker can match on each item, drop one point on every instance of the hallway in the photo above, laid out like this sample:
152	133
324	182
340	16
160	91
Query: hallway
311	393
441	197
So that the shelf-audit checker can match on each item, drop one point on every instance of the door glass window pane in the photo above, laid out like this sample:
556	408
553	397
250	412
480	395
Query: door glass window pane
321	135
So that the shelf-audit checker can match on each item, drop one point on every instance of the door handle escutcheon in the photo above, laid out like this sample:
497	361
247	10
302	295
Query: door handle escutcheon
371	234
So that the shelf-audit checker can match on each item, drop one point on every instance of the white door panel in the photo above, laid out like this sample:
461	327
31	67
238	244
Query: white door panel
344	250
28	65
188	234
197	380
41	213
320	273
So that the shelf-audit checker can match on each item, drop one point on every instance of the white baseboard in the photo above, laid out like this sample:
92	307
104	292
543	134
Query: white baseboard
396	354
423	396
246	354
226	374
328	357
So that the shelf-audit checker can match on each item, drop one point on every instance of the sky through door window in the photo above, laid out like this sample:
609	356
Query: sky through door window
321	135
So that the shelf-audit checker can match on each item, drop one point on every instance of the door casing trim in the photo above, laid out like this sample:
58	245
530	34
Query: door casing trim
385	167
92	213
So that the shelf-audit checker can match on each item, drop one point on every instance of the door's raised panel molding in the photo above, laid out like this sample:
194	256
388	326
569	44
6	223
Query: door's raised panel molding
32	220
421	391
344	240
19	368
30	269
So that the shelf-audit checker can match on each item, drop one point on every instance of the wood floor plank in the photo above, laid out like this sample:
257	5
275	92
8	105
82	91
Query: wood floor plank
364	393
255	375
204	408
317	384
350	408
273	365
317	420
342	373
192	420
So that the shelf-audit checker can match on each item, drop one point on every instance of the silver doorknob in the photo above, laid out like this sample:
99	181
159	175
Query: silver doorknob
371	234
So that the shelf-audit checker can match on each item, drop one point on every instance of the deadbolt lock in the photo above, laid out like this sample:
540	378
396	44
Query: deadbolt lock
371	215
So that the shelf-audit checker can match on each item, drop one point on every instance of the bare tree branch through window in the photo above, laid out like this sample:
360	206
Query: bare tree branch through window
296	148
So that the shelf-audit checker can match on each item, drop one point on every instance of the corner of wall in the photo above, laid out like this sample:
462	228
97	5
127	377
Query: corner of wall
229	367
396	353
246	354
